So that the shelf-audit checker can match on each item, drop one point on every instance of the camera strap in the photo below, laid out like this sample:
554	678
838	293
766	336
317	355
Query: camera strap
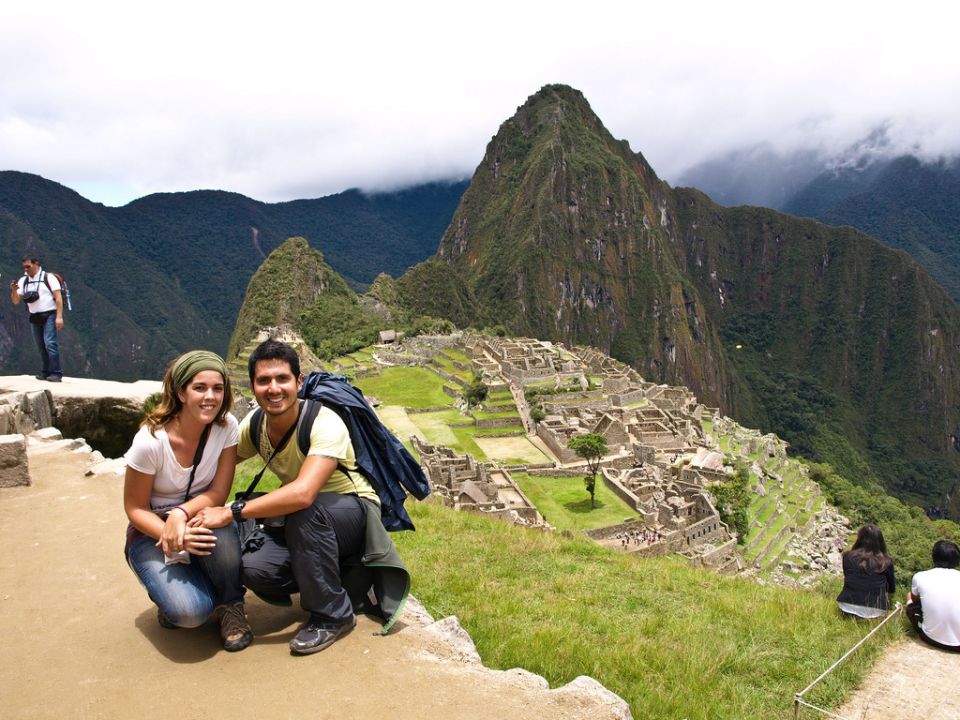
197	456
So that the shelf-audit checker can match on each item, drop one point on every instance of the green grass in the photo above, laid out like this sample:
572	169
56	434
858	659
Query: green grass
495	415
245	474
436	426
566	504
414	387
673	641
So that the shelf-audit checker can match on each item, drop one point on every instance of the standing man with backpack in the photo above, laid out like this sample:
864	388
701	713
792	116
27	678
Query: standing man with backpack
323	536
41	292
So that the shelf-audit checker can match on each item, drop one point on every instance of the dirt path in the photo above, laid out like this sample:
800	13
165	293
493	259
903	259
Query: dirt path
911	680
80	637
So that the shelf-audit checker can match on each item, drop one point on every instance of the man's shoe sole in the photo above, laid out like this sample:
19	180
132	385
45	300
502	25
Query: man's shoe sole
345	630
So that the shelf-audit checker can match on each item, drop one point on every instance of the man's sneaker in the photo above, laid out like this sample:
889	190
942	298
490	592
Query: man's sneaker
41	376
316	635
53	378
164	621
235	631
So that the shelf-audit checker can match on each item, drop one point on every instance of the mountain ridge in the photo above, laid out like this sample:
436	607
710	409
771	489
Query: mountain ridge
822	335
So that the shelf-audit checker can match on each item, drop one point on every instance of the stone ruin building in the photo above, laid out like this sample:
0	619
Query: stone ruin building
465	484
523	360
680	513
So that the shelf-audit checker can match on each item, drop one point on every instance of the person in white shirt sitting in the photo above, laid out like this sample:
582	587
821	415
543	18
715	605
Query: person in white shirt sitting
933	605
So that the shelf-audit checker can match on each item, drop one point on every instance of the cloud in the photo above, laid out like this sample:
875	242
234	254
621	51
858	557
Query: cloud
284	100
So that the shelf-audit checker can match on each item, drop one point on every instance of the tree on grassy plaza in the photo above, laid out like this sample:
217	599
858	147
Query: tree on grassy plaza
591	447
476	391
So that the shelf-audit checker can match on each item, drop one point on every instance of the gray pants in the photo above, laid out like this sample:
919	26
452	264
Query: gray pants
304	556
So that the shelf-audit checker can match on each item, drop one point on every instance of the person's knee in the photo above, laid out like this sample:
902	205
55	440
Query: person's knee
262	578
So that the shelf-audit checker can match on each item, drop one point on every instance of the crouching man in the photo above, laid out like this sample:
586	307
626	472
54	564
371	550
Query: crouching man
933	606
331	546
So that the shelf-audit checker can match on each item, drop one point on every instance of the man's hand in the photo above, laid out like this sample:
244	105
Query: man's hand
212	517
59	323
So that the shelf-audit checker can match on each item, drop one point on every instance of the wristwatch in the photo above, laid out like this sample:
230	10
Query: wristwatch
236	507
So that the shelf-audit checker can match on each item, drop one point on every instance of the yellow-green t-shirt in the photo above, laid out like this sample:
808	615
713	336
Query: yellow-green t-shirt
328	437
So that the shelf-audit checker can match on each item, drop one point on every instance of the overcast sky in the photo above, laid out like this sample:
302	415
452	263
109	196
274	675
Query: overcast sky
281	100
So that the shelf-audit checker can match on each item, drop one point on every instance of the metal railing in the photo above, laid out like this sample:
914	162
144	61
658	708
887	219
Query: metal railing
798	700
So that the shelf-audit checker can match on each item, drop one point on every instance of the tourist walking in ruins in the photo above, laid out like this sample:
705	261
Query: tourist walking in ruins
868	576
182	461
933	606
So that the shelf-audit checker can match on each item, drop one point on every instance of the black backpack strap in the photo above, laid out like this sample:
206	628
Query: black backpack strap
256	422
308	413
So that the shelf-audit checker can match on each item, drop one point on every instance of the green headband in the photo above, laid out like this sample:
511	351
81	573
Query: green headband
189	364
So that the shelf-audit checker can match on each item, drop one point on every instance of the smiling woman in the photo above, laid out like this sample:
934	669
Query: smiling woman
182	461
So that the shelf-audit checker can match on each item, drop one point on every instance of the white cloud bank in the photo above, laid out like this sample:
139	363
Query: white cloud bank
283	100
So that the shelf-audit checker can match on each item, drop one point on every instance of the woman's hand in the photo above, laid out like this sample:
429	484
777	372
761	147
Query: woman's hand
172	536
199	541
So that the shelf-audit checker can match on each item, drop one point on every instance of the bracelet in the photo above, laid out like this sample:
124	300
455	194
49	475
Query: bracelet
182	509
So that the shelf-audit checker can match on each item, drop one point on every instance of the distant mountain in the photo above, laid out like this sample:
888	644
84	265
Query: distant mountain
167	272
907	204
840	345
758	175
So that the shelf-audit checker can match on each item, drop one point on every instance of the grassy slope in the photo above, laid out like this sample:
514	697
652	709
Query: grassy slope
672	641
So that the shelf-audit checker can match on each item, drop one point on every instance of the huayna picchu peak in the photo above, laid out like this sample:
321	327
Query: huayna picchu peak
823	335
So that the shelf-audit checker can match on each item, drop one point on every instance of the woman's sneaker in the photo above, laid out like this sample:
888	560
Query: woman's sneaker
235	631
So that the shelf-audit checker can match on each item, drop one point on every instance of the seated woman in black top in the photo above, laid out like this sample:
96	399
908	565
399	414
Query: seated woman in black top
867	575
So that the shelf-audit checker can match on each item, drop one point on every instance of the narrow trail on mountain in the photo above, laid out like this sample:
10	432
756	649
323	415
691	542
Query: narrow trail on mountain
911	680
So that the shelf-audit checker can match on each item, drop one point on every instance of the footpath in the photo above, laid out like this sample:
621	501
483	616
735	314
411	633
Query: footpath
80	637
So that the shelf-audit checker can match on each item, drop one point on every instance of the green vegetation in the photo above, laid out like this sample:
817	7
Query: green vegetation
476	391
909	533
562	607
733	502
560	500
413	387
591	447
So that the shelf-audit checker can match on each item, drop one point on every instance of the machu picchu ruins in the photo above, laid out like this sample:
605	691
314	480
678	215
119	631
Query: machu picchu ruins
665	451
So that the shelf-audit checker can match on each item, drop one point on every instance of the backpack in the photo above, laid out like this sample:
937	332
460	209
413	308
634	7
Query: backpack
63	287
65	291
381	458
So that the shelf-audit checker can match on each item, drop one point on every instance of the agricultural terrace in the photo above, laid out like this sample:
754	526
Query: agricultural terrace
404	390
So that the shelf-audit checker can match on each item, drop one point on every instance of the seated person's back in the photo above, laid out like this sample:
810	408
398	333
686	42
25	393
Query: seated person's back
938	591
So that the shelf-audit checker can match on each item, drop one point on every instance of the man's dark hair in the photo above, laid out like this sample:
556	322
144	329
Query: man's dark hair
32	258
274	350
946	554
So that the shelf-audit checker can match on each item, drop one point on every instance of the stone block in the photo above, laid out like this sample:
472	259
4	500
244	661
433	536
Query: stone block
8	418
46	434
38	406
14	469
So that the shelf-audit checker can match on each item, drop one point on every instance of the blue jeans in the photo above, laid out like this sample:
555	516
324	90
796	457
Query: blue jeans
46	338
187	594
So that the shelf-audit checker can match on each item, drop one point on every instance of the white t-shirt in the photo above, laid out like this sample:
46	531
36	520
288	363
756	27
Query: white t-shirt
151	454
28	284
939	592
